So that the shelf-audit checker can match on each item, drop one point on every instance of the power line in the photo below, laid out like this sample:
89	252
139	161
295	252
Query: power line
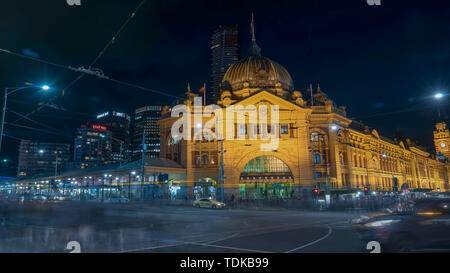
93	73
37	129
13	137
113	39
29	119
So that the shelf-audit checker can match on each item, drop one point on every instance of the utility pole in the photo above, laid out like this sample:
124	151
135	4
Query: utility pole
143	163
222	195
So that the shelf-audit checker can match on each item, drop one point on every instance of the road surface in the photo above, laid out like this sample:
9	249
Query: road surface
175	229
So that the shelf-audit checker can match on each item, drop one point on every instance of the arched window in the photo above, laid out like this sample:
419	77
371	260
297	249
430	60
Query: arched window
266	164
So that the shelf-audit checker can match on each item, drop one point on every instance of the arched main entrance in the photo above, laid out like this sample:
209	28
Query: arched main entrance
266	177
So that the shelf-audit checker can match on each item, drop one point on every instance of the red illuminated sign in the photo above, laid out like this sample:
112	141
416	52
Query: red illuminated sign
98	127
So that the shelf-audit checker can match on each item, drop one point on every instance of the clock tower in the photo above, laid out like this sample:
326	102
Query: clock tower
442	139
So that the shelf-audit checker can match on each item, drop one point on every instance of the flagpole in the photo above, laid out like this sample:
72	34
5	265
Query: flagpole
204	94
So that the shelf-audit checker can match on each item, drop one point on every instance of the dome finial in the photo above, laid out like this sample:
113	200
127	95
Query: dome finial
254	49
252	26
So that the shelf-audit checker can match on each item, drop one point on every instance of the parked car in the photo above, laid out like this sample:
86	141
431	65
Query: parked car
208	203
420	226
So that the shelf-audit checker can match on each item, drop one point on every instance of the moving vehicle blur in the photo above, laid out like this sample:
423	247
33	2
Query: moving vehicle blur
120	200
414	226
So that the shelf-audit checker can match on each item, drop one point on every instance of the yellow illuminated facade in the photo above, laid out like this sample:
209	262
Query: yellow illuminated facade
318	145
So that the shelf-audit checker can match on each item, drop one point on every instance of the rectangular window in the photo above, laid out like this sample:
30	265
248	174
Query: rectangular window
243	129
197	159
205	158
284	129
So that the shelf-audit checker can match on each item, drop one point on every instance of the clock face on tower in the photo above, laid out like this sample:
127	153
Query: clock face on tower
443	145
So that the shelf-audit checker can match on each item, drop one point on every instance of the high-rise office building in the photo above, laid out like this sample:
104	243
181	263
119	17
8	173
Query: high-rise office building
146	120
92	146
42	157
119	125
224	53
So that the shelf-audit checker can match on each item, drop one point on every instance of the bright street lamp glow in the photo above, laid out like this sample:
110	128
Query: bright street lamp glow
334	127
45	87
438	95
41	151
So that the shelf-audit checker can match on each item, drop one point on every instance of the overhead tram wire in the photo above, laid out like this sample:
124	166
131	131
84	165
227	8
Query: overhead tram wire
31	120
113	39
117	33
13	137
39	130
92	74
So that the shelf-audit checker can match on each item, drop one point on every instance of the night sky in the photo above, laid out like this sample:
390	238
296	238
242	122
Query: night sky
382	62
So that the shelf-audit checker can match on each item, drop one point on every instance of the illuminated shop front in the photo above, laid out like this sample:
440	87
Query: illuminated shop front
266	177
205	188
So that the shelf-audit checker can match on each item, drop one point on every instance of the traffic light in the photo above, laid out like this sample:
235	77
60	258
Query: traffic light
366	190
315	192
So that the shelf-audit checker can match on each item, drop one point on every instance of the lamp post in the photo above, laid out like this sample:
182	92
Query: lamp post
222	191
5	99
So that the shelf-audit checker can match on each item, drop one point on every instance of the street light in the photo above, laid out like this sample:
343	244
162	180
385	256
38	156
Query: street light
438	95
5	99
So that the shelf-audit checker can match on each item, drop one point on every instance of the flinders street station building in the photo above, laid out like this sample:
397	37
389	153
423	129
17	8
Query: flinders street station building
307	143
318	145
